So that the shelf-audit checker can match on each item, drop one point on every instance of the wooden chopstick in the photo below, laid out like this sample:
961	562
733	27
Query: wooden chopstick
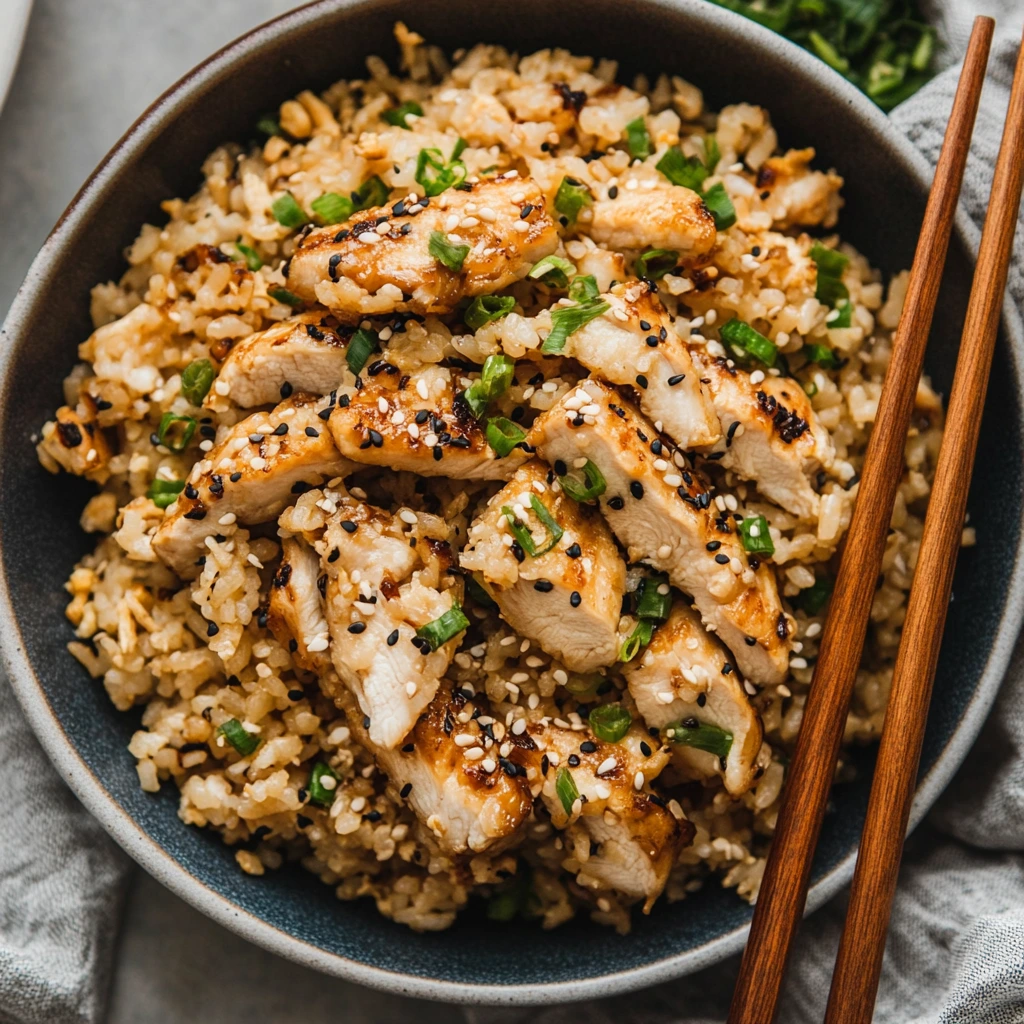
784	886
859	963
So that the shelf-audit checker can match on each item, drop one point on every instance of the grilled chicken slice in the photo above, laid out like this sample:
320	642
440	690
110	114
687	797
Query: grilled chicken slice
469	805
661	514
295	611
415	423
380	590
664	217
781	445
798	195
74	442
568	599
356	271
634	344
684	678
259	467
305	352
636	836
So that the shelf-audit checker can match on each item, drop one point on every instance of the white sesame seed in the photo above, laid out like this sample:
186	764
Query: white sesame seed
413	431
488	764
465	739
560	676
407	516
227	519
673	479
369	236
609	764
730	499
664	697
410	688
318	643
451	222
798	663
638	781
421	388
749	687
675	810
813	629
382	404
474	753
689	676
203	445
521	226
757	376
519	727
430	440
383	228
664	551
328	782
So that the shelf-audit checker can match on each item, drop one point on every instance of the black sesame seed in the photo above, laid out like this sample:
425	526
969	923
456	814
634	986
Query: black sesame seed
405	790
636	489
544	586
722	559
212	629
613	192
408	748
756	250
256	439
560	467
344	401
281	430
645	749
526	211
588	747
574	551
676	379
644	325
573	761
575	599
294	695
366	721
286	390
652	340
616	503
702	699
713	545
749	641
393	638
235	477
641	380
357	627
349	527
438	453
656	447
545	764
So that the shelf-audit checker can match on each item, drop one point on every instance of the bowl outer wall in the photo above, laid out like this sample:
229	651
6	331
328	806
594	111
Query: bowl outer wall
782	61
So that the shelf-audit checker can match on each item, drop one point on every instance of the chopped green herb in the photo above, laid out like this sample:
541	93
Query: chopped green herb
321	791
687	171
493	382
513	899
637	640
654	264
330	208
571	197
477	593
583	288
239	737
252	258
594	484
638	140
841	316
435	175
712	154
373	192
268	125
458	149
397	115
196	380
565	787
485	308
503	435
703	736
822	355
588	686
746	343
361	346
556	269
567	320
717	200
175	431
452	256
831	264
810	389
522	533
610	722
757	540
284	296
443	628
164	492
815	597
287	211
651	603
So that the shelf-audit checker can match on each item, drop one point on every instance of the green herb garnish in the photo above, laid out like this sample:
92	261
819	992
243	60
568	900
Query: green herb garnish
522	533
687	171
397	115
268	124
477	593
239	737
822	355
361	346
654	264
556	269
571	197
565	787
287	211
651	603
567	320
373	192
701	735
746	343
831	264
442	629
593	486
493	382
610	722
196	380
717	200
813	598
175	431
284	296
503	435
712	154
451	255
330	208
319	794
485	308
252	258
638	139
583	288
164	492
434	174
757	540
637	640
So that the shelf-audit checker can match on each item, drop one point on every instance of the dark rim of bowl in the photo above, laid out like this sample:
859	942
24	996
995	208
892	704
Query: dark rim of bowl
91	791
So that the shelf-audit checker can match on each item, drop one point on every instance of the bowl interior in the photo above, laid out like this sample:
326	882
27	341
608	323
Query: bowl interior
732	61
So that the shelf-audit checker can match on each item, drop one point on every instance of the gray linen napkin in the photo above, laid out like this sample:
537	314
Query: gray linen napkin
956	948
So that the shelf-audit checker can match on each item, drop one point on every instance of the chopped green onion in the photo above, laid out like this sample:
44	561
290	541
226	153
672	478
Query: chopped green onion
757	540
522	533
330	208
478	594
493	382
164	492
284	296
361	346
571	197
239	737
168	429
287	211
815	597
196	380
810	389
435	175
442	629
397	115
583	288
457	150
373	192
831	264
452	256
610	722
588	686
320	794
639	638
712	154
654	264
843	317
567	320
268	125
594	486
687	171
745	341
717	200
822	355
651	603
252	258
565	787
554	268
485	308
503	435
512	899
703	736
638	140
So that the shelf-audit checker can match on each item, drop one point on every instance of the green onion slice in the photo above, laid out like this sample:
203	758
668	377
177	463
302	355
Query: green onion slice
822	355
703	736
442	629
435	175
330	208
239	737
588	686
757	540
844	317
712	154
717	200
319	794
252	258
651	603
514	898
372	192
687	171
287	211
567	320
638	139
493	382
583	288
164	492
565	787
175	431
485	308
745	342
831	264
593	486
397	115
361	346
284	296
814	597
452	256
523	535
477	592
637	640
571	197
196	380
503	435
810	389
654	264
610	722
268	124
556	269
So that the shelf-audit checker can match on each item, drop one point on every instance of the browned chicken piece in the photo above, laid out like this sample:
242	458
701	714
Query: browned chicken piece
74	442
771	434
799	195
415	423
629	837
660	512
357	271
635	344
386	579
567	598
665	217
249	477
685	678
304	353
295	611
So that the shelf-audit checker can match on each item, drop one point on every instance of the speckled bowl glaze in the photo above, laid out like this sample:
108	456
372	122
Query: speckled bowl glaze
290	912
